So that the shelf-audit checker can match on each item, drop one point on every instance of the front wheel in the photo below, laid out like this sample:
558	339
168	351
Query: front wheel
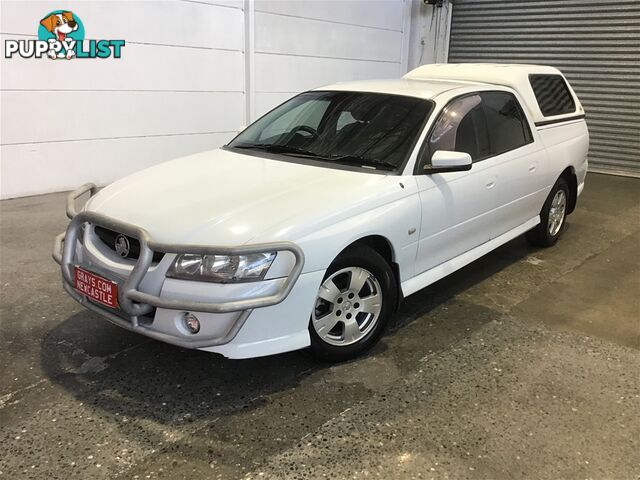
552	217
353	305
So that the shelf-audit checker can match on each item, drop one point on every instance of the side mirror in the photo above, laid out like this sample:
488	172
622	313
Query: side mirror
444	161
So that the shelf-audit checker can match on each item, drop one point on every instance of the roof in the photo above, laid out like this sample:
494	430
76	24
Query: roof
412	88
429	81
515	76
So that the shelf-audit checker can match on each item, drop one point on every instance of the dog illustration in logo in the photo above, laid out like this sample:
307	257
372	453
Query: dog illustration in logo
60	25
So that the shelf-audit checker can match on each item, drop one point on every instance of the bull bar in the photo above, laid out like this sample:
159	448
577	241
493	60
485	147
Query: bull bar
135	303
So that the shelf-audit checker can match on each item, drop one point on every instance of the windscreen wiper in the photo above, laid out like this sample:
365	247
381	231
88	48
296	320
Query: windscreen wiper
363	162
276	148
343	159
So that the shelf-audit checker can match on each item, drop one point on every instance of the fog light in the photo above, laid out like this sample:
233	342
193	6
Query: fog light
191	322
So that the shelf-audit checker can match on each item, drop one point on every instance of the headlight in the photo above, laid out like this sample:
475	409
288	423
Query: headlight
221	268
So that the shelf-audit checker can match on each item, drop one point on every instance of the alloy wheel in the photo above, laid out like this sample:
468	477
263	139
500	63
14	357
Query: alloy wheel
348	306
557	212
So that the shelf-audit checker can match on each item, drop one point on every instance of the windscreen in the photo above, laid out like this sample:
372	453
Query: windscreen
372	130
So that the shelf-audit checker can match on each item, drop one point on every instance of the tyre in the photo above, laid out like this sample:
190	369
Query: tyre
353	306
552	217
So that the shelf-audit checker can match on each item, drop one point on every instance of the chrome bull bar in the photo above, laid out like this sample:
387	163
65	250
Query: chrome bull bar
77	193
134	302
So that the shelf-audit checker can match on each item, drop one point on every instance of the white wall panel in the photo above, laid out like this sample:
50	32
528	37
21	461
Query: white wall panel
382	14
178	89
142	67
110	114
30	169
221	3
161	23
189	73
286	35
281	73
303	45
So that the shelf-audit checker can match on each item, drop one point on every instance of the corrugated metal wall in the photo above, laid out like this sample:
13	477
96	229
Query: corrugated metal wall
595	43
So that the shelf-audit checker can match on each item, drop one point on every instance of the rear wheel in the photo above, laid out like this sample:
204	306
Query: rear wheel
552	217
353	305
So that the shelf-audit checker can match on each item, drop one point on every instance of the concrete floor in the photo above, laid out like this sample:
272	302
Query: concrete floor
525	364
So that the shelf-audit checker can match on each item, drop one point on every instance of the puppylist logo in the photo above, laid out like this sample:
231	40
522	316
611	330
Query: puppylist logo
61	35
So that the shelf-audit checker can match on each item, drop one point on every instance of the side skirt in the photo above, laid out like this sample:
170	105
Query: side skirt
436	273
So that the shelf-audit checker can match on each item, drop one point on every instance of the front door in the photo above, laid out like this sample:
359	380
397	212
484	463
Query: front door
458	208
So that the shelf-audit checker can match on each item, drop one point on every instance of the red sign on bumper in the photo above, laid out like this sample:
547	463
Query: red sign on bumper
96	288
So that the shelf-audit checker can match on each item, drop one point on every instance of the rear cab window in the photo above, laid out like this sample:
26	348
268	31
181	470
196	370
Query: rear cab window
552	94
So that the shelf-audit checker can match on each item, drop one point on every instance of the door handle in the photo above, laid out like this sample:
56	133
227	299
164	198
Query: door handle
532	167
490	183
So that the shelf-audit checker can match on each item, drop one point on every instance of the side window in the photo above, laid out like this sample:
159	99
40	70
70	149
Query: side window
461	127
552	94
506	123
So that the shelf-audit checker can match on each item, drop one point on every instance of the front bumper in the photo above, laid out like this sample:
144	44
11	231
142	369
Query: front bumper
136	305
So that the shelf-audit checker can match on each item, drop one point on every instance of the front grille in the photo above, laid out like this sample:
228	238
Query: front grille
109	238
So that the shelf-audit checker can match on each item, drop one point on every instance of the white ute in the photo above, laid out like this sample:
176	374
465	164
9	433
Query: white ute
310	226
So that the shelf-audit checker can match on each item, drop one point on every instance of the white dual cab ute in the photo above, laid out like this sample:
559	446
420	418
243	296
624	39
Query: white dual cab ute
312	224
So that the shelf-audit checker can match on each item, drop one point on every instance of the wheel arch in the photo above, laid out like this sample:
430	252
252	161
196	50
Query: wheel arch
384	247
569	175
